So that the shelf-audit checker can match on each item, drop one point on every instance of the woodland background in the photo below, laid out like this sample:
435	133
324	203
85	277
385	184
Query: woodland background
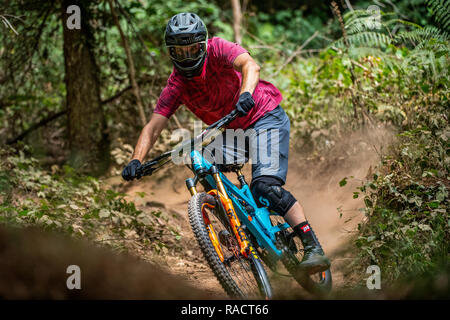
72	104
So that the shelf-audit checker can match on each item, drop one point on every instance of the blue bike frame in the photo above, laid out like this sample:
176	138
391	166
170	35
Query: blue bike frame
257	221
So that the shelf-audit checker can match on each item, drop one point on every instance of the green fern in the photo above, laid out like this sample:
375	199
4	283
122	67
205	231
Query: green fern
365	39
365	30
441	11
429	47
420	36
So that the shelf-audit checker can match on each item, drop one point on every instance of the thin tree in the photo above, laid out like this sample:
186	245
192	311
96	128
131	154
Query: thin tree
237	18
131	69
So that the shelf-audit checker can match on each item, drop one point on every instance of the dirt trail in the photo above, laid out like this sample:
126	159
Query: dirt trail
314	182
170	194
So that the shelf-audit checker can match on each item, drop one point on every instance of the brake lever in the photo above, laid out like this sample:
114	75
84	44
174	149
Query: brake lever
146	169
144	172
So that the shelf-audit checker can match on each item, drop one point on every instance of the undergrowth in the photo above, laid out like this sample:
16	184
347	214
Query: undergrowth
68	202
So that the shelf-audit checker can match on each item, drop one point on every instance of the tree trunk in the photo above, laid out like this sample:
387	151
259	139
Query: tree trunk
89	145
237	17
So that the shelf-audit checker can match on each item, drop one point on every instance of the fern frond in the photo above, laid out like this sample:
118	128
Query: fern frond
419	36
441	11
365	39
428	57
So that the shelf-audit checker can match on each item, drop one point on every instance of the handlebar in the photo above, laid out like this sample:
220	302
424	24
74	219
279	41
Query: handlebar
147	168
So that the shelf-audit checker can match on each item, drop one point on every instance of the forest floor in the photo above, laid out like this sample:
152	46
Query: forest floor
314	181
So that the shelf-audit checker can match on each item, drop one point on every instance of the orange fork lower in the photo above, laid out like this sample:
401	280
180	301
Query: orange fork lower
211	232
235	223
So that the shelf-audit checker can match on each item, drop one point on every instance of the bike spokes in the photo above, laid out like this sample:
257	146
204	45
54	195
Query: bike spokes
238	266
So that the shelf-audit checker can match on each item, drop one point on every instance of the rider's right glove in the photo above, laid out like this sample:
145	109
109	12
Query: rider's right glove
129	172
245	103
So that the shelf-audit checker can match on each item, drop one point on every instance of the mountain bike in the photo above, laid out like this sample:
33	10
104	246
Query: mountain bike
237	238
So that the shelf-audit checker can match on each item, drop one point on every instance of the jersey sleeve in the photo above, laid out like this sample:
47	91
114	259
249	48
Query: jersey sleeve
168	101
227	51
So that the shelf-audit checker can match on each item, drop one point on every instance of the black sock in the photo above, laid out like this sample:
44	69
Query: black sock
304	231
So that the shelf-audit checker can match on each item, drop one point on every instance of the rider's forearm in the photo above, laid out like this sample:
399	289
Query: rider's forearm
145	142
250	76
149	135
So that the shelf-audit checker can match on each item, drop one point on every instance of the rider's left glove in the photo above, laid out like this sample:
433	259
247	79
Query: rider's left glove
129	172
245	103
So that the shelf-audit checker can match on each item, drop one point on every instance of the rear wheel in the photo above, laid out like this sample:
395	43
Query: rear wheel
319	283
239	276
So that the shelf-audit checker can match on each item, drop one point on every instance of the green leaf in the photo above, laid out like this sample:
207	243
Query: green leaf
141	194
433	204
23	212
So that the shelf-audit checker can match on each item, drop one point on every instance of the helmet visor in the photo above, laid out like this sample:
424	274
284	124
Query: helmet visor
187	52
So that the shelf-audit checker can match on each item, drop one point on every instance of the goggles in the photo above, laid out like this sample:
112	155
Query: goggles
187	52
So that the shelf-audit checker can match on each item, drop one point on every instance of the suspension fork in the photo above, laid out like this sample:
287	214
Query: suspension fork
221	194
227	203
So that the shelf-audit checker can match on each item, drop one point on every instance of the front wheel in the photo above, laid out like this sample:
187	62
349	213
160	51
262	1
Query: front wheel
240	277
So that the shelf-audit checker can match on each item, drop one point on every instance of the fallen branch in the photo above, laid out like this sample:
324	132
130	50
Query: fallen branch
261	41
264	47
116	96
8	24
339	51
175	118
35	126
295	53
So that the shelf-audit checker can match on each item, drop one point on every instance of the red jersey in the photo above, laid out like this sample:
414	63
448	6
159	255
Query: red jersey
214	93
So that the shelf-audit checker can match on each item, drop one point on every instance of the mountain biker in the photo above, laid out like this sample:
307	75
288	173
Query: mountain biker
212	77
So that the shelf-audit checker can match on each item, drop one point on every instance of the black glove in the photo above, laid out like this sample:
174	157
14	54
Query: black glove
245	103
129	172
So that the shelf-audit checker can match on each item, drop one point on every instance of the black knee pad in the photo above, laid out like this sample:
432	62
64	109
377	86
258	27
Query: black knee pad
268	192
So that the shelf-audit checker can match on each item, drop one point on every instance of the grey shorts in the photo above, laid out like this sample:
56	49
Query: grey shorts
265	144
